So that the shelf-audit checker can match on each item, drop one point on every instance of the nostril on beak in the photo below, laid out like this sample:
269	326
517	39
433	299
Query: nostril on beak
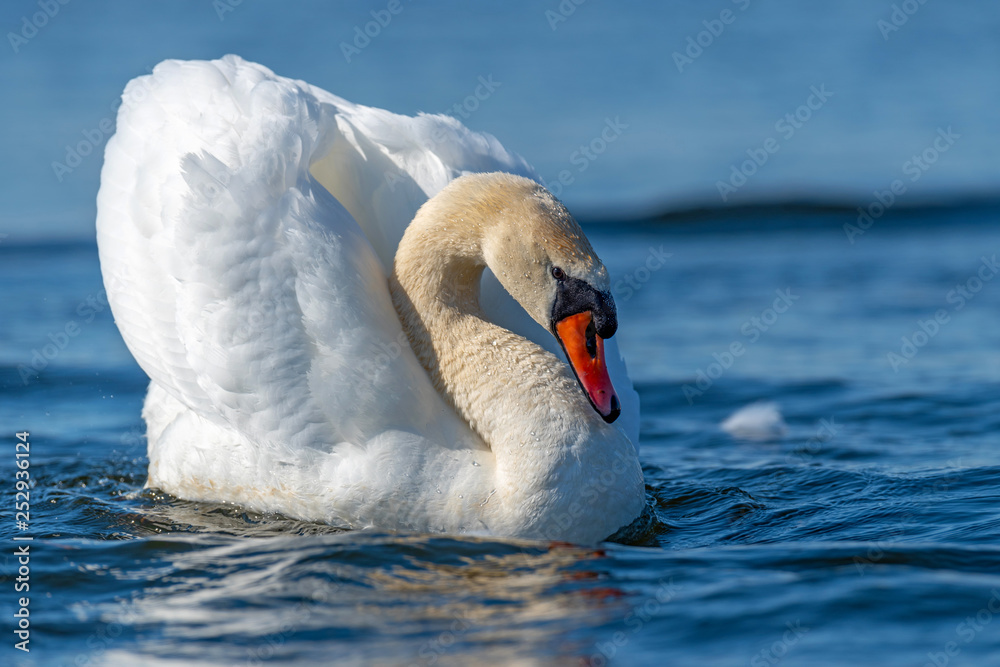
592	340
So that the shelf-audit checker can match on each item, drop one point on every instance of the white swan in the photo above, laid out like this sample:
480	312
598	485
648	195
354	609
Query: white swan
247	225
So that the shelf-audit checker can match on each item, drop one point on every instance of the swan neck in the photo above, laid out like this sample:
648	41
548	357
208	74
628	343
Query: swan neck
444	280
550	445
473	363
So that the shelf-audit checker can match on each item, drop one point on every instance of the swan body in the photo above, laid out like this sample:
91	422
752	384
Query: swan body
312	351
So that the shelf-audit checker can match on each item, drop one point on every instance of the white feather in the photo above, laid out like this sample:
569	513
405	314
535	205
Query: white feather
245	225
758	421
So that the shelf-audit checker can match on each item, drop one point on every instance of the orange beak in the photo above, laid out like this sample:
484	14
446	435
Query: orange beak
585	351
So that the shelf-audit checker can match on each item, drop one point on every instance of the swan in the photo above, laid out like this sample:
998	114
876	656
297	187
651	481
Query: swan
360	318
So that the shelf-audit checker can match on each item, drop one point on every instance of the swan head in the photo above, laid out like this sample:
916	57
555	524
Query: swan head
543	259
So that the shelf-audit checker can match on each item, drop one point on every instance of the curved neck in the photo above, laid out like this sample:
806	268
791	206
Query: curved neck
490	375
523	401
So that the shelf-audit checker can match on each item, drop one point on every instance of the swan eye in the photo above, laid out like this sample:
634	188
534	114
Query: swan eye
558	273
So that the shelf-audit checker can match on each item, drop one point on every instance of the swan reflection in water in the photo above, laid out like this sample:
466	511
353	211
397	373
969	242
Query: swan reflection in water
240	586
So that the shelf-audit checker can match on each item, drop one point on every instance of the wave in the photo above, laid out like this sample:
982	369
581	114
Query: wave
976	208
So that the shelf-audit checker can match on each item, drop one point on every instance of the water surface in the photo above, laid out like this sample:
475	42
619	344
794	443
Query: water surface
866	533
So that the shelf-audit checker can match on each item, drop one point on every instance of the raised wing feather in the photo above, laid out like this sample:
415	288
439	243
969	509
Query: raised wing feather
244	289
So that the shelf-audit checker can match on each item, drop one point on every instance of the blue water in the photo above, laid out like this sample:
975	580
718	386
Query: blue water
891	91
867	533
